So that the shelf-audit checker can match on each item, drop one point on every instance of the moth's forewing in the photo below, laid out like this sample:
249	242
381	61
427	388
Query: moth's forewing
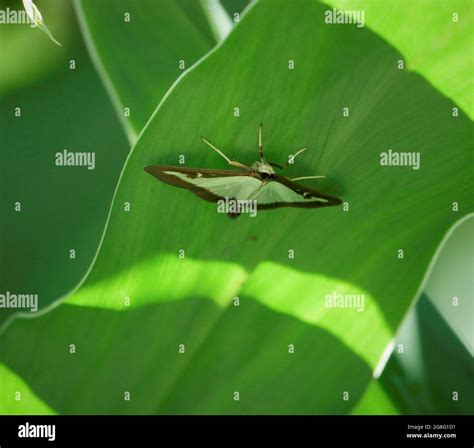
201	182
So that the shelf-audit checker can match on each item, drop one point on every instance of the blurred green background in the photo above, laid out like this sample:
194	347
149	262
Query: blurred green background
61	208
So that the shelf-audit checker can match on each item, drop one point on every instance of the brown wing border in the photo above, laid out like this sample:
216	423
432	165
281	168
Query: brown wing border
299	189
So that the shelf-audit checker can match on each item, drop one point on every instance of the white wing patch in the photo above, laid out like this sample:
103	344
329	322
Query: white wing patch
247	187
274	192
238	187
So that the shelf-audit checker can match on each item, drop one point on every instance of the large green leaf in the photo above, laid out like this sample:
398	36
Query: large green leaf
437	50
234	6
141	47
375	401
134	347
432	356
433	374
434	37
450	288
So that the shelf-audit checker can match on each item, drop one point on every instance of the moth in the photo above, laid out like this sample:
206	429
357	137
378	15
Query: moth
260	183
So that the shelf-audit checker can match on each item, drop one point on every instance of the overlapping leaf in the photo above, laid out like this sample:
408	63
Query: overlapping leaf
142	47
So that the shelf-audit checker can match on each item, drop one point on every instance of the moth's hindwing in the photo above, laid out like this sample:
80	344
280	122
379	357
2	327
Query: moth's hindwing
283	192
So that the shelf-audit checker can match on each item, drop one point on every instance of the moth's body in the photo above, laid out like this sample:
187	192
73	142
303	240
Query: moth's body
260	183
264	170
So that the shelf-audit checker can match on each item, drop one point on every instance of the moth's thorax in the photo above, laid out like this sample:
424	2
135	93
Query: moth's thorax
264	169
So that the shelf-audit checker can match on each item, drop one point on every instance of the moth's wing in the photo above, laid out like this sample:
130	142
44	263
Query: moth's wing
283	192
210	185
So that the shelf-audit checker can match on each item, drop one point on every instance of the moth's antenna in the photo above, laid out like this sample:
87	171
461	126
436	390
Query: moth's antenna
260	146
300	151
307	177
230	162
217	150
293	157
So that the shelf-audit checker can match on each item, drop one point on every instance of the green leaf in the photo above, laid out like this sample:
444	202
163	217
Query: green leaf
61	208
234	6
26	55
36	17
441	54
449	287
432	354
376	401
16	396
140	49
142	300
434	373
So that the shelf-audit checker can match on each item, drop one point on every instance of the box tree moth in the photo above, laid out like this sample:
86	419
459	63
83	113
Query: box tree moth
259	182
